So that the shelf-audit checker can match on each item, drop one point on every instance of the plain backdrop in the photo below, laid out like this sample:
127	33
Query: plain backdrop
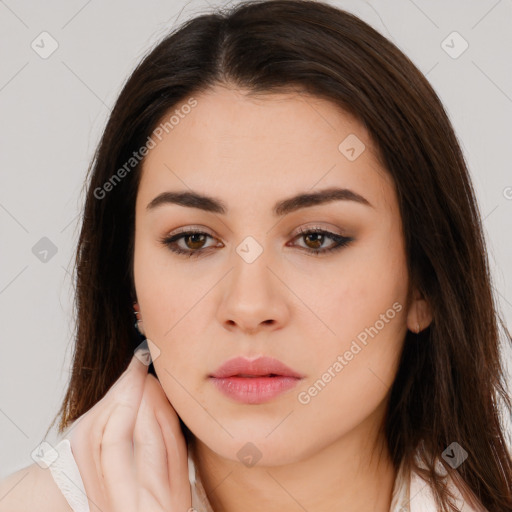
54	107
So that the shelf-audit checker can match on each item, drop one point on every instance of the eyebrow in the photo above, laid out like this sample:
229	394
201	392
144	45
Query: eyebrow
283	207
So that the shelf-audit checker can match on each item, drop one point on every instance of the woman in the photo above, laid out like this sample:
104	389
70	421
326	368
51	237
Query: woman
281	200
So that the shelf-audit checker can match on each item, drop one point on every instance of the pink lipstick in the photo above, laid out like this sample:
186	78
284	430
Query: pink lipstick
254	381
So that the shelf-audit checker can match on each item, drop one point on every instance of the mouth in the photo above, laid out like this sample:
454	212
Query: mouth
254	381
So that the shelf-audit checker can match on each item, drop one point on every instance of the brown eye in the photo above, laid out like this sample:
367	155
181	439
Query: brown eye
193	242
315	238
196	240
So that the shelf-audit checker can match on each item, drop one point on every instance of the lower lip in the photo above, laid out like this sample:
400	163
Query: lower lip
254	390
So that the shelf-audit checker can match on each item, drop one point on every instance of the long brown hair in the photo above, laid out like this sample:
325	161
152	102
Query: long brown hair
450	385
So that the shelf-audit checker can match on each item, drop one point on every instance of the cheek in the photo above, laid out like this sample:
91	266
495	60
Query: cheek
356	293
351	376
360	363
363	305
340	401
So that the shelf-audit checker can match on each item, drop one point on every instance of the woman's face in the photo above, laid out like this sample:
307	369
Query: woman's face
252	289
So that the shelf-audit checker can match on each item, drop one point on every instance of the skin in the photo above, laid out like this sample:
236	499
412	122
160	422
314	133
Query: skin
300	308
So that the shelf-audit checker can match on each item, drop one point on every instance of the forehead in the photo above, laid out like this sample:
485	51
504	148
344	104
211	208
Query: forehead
249	149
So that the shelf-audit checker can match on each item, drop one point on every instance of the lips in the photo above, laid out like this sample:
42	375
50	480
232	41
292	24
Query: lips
255	381
260	367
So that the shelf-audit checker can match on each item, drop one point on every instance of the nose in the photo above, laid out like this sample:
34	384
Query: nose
253	297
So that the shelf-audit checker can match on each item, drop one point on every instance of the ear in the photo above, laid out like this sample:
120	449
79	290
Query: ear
419	313
138	325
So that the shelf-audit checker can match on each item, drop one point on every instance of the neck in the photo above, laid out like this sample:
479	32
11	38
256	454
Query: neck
352	474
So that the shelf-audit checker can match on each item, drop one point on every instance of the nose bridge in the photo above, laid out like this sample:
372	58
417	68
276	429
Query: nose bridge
253	295
251	259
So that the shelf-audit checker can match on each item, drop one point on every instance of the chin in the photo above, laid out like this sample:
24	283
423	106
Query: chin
255	447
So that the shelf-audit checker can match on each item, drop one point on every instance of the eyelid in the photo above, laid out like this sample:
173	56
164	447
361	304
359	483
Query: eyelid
187	229
318	227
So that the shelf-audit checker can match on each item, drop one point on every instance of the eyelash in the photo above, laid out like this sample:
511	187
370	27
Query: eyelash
340	242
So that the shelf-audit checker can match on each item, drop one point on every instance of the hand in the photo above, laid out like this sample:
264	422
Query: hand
150	475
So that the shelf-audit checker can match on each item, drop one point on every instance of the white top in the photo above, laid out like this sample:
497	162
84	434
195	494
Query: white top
66	475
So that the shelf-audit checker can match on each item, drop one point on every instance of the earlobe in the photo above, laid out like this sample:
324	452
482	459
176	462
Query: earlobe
419	316
138	317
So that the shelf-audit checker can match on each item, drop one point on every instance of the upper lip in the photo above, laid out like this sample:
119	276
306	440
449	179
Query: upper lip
260	366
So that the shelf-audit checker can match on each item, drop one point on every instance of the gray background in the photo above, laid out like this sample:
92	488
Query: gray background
53	111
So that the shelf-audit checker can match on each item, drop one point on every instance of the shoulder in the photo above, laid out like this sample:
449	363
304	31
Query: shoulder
29	489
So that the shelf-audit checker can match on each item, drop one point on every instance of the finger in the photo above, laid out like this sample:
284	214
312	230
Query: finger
116	447
175	444
84	448
126	390
132	379
86	435
150	455
85	439
102	409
